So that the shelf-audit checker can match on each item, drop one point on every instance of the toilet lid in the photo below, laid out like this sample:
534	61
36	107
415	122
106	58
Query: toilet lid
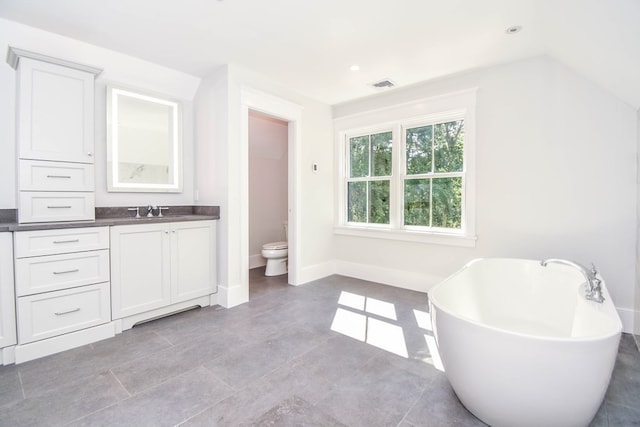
275	245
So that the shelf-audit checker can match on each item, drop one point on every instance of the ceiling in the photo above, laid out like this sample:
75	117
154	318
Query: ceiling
309	46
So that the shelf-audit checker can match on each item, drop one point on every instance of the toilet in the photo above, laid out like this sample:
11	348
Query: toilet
276	254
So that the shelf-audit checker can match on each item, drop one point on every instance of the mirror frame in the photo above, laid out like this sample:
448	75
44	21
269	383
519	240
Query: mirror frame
113	182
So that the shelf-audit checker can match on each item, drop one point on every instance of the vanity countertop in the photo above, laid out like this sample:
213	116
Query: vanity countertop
201	214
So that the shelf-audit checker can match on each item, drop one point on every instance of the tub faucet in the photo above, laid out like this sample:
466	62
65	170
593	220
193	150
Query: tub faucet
594	285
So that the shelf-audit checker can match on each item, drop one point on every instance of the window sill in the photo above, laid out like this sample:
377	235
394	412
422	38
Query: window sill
408	236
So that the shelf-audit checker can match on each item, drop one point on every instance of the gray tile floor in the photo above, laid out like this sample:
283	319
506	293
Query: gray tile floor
272	361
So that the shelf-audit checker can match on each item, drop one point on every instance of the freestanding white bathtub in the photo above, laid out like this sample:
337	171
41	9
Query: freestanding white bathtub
520	343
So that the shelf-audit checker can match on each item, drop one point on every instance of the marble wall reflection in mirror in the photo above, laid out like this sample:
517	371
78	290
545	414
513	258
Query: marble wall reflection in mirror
144	142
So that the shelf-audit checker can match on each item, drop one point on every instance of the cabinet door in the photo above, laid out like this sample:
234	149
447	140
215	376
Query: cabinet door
139	268
55	112
193	254
7	300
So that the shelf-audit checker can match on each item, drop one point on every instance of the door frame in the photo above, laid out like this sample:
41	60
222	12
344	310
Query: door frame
251	99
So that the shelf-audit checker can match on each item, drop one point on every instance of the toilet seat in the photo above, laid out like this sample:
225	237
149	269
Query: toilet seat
275	245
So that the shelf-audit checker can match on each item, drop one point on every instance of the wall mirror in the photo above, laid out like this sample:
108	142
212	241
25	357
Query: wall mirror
144	142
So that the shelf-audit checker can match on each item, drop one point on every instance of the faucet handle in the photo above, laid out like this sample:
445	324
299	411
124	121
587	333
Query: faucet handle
160	209
594	271
137	209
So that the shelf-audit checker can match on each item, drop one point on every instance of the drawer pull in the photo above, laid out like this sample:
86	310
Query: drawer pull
59	176
67	241
67	271
58	207
73	310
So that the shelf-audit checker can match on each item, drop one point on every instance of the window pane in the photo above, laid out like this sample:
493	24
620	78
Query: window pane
447	202
359	156
418	142
449	146
379	199
357	195
381	154
416	202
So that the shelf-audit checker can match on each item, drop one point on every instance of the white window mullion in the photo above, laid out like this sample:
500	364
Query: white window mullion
396	198
430	202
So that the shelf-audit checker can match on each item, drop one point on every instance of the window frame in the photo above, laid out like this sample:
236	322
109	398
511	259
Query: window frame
369	178
399	118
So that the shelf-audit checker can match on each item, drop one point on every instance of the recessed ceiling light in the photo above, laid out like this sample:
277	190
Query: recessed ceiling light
355	68
513	30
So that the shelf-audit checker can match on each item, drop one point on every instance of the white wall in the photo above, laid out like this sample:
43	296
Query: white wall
268	170
637	282
117	69
556	177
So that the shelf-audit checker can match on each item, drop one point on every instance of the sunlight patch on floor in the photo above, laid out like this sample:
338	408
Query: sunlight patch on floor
372	330
351	300
351	324
423	319
381	308
387	337
435	355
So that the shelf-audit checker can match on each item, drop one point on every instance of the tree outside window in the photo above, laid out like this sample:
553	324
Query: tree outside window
434	167
369	178
431	183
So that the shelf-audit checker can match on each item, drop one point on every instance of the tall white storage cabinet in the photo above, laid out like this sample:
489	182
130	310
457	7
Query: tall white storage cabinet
160	268
55	138
7	301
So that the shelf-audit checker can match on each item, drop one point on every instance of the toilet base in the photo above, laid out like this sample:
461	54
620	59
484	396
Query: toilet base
276	267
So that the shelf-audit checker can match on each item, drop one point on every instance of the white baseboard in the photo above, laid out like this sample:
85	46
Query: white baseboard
256	261
627	317
387	276
230	296
37	349
7	355
315	272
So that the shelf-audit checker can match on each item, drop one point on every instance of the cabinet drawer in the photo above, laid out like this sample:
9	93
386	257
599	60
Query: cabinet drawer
59	241
59	206
55	176
54	272
53	313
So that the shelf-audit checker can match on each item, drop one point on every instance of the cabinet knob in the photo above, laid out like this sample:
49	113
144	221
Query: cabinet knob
90	154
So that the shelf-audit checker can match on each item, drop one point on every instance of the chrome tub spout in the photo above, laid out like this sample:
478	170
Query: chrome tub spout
594	284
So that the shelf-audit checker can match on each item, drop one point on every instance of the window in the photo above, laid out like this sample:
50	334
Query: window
433	175
409	179
369	179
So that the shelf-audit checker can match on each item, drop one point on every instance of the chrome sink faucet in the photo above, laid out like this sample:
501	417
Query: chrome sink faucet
594	285
149	211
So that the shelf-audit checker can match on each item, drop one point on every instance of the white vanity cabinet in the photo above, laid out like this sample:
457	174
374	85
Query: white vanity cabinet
7	300
62	287
55	138
160	268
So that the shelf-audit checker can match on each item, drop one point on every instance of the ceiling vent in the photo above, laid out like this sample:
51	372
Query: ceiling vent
386	83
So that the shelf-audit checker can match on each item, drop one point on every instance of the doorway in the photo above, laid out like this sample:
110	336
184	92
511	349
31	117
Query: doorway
280	109
268	200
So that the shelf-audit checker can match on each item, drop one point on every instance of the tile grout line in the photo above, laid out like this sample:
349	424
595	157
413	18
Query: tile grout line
115	377
24	395
153	331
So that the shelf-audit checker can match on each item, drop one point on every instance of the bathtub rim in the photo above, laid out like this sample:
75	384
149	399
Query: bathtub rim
610	310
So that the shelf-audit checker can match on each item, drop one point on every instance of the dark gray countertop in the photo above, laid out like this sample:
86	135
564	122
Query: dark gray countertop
125	219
